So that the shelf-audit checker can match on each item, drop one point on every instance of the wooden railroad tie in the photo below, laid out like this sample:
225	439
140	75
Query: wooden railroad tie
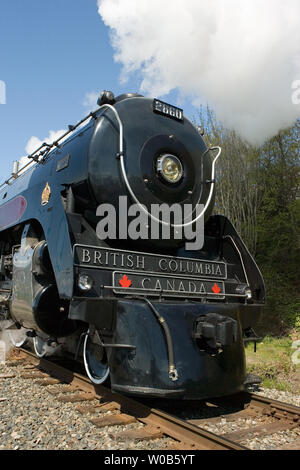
259	431
33	375
100	408
146	433
63	389
76	398
113	420
7	376
47	382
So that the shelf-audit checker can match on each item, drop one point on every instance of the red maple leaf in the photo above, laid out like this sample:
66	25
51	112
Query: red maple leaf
125	282
216	289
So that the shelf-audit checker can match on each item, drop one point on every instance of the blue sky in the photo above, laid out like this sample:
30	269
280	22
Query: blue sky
52	54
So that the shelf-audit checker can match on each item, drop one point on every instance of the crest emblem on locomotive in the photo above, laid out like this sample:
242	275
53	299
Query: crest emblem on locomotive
46	195
151	313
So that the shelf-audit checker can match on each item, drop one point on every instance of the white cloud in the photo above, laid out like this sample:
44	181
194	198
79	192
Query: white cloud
239	56
90	100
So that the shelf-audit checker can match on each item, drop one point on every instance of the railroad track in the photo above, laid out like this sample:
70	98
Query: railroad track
273	417
186	434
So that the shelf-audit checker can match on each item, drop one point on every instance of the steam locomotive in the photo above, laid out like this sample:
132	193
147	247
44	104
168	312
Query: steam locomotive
148	315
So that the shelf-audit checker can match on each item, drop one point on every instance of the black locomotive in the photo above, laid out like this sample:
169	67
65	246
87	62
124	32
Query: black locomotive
149	315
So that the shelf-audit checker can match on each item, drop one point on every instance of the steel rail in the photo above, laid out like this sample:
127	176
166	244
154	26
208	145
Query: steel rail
277	408
180	430
279	417
264	404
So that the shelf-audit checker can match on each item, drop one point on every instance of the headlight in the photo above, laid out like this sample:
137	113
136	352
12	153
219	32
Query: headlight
85	282
248	293
169	168
244	290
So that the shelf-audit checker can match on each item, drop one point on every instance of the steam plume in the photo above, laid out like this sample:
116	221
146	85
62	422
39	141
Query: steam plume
239	56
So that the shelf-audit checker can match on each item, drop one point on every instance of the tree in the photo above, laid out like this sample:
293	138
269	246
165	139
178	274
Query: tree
278	227
238	191
258	190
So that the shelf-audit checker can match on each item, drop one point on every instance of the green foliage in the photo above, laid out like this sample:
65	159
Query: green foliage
297	324
258	189
273	362
278	231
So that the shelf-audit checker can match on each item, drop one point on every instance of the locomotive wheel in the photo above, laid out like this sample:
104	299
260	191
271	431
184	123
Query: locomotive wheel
18	337
95	360
39	346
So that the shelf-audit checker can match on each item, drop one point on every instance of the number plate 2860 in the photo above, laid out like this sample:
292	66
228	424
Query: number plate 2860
167	110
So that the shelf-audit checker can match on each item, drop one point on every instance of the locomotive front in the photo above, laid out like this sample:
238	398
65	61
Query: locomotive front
125	262
163	320
148	152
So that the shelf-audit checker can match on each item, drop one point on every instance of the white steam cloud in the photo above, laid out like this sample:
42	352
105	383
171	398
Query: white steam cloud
242	57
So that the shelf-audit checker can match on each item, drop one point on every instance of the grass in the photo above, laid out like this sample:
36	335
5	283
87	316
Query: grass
273	362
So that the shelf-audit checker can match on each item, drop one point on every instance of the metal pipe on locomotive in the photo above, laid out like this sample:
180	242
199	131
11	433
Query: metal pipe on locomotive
177	328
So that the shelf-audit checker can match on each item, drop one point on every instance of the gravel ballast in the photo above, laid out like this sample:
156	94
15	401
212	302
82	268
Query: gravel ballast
32	418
